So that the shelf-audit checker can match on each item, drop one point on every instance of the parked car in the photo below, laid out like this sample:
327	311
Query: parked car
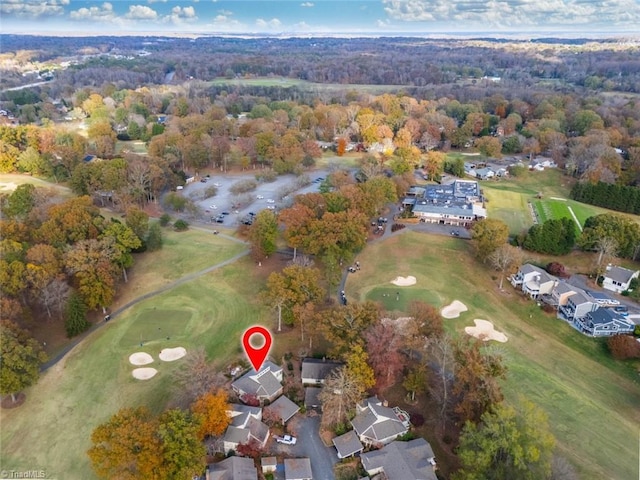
286	440
270	200
259	197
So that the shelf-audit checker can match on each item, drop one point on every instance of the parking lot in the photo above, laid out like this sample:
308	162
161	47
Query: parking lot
224	205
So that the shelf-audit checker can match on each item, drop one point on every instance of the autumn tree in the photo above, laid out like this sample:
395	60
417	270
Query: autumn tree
383	343
128	446
427	318
623	347
625	232
182	451
487	235
489	146
76	316
357	365
343	327
211	412
415	381
263	234
504	259
476	387
21	358
442	363
509	442
20	202
138	221
91	264
434	164
125	241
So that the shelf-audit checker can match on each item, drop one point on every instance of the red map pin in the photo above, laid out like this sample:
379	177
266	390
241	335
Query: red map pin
256	355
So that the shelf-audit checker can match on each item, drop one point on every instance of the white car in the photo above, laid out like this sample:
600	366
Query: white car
213	207
270	200
287	440
217	184
259	197
271	207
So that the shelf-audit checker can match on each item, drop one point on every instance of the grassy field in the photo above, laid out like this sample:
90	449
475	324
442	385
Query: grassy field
508	199
302	85
51	431
9	182
135	146
592	401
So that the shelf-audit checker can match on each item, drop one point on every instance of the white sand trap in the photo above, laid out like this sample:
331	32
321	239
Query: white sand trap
140	358
171	354
484	330
404	281
454	309
144	373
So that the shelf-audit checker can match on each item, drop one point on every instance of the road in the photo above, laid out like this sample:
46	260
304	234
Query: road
310	445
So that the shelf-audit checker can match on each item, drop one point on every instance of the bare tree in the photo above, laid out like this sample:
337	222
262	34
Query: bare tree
504	259
442	363
340	394
196	376
607	248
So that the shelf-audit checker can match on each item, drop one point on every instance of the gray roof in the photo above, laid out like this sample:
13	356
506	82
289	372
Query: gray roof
258	430
564	287
311	397
261	384
377	422
320	369
268	461
528	268
236	435
283	408
297	468
347	444
580	298
602	316
233	468
241	413
402	460
619	274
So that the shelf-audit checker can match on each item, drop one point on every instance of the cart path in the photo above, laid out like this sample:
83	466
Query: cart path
187	278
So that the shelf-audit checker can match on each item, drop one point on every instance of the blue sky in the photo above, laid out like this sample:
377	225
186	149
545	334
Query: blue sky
78	17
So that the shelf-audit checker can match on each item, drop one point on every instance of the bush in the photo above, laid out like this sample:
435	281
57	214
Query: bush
243	186
210	191
267	176
165	219
341	429
417	420
557	269
180	225
623	347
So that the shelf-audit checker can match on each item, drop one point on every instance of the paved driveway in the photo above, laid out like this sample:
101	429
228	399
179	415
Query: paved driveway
309	445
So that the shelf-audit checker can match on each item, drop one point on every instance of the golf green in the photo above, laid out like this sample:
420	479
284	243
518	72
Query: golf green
154	325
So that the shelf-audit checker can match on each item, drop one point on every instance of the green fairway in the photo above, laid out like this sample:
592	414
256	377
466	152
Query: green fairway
51	430
592	401
399	298
305	85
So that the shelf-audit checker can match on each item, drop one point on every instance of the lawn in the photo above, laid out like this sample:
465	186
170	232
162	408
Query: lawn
135	146
51	431
592	401
303	85
507	200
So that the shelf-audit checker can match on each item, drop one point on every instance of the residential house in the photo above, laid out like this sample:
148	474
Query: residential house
348	444
269	464
577	306
413	460
377	424
232	468
246	425
265	385
561	293
297	469
618	279
282	409
533	281
485	173
314	371
604	322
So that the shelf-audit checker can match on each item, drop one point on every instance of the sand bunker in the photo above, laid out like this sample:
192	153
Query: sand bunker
404	281
144	373
454	309
140	358
485	331
171	354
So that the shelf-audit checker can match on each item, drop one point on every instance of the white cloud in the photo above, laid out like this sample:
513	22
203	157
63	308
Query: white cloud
515	13
383	23
273	23
180	15
101	13
307	4
226	13
141	12
156	1
32	8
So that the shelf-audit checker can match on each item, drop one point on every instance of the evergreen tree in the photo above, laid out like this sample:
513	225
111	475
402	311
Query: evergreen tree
154	237
76	316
